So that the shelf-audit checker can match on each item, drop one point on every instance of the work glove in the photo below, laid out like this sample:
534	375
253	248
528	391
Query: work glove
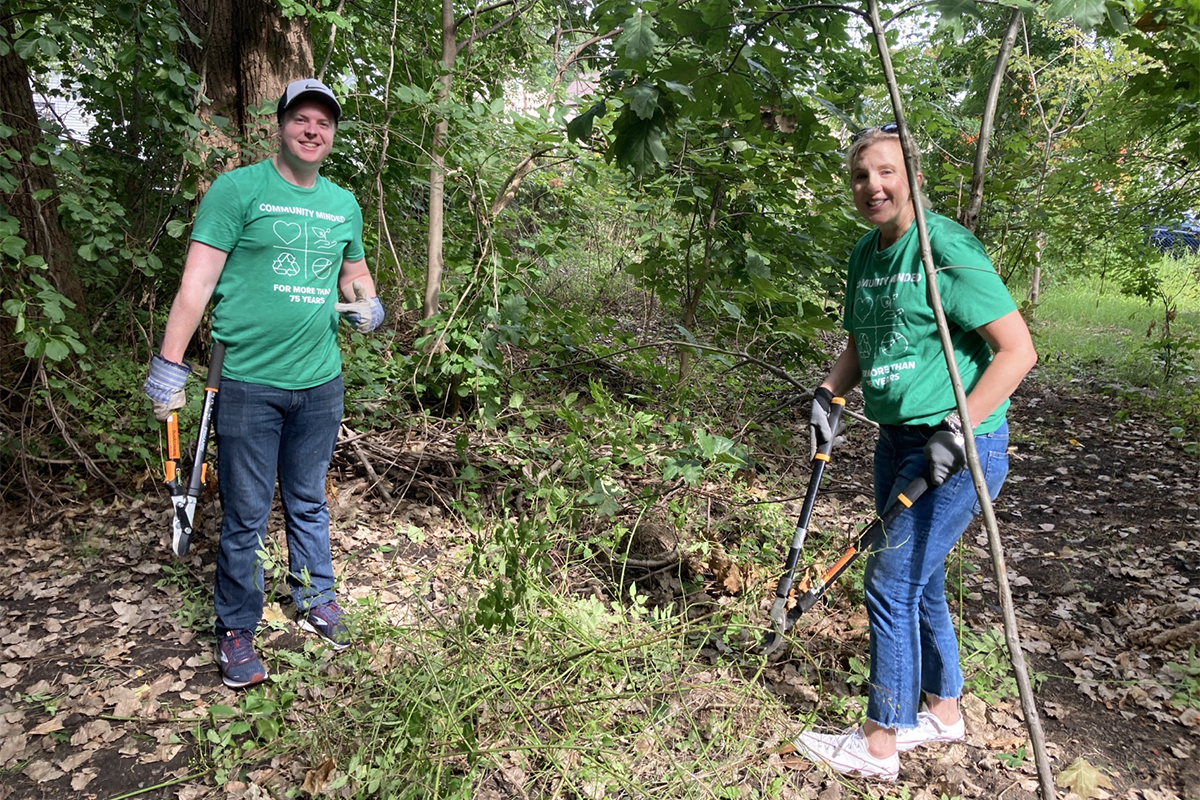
819	424
164	386
945	452
364	313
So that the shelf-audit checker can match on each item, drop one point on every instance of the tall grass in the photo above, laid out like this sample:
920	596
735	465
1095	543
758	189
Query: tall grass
578	700
1095	329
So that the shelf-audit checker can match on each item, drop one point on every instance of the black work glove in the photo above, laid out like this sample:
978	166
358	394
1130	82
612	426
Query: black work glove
818	423
945	452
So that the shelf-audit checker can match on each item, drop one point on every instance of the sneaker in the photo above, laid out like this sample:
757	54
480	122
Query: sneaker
929	729
847	753
240	666
329	622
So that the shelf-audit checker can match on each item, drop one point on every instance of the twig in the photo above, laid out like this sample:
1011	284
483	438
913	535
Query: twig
62	428
376	482
157	786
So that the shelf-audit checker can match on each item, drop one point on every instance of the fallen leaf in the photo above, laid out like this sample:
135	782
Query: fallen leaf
72	762
273	612
49	726
1084	779
81	779
11	749
42	771
316	779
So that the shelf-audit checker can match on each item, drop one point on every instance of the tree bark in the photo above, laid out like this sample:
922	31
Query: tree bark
435	262
247	54
38	219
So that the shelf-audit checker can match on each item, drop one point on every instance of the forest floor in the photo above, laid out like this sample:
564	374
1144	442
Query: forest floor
106	661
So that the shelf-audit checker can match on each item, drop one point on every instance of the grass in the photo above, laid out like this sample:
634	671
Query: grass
1088	329
577	700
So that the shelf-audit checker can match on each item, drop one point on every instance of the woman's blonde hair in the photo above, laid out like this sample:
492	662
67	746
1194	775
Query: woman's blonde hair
864	139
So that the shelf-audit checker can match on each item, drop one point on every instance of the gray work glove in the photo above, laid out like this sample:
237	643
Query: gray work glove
164	386
818	422
945	452
364	313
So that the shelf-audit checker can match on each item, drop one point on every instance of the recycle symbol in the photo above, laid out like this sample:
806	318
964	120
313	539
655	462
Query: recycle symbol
286	265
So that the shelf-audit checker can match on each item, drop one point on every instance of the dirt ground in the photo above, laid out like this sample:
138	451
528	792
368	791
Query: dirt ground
103	677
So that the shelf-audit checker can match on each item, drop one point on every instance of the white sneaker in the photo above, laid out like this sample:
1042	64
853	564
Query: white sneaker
847	753
929	729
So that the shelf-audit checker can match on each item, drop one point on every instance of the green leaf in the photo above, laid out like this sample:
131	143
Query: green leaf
581	126
640	146
1086	14
175	228
644	100
1117	20
13	246
56	350
682	88
638	39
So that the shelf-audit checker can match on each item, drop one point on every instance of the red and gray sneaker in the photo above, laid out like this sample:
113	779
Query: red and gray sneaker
240	666
329	622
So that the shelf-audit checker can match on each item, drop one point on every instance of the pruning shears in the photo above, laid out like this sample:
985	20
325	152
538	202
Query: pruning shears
779	615
184	496
783	618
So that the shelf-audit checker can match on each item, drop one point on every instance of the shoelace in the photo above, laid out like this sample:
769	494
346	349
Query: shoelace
330	614
241	649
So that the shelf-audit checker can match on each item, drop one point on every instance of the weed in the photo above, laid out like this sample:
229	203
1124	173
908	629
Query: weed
1014	759
191	607
1186	687
986	668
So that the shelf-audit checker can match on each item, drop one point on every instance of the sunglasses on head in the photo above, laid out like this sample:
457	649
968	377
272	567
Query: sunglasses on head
891	127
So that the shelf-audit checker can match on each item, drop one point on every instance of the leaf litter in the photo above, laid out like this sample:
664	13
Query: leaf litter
104	678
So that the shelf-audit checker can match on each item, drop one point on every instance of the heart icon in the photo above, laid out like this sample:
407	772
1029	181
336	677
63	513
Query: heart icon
287	232
864	306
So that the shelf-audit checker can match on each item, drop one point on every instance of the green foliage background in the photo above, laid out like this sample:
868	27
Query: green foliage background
684	180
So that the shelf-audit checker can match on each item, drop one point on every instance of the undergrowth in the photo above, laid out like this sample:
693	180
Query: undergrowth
575	699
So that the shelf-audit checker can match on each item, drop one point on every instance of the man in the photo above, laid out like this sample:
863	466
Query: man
271	244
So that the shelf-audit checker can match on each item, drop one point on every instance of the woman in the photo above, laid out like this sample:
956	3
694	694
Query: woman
894	350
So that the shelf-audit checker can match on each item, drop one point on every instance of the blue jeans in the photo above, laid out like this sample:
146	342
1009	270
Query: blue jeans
263	432
913	645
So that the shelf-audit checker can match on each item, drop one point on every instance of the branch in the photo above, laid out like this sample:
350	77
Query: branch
475	37
513	182
1012	636
805	392
476	12
975	200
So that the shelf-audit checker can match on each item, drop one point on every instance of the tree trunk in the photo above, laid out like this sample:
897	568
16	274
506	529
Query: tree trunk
247	54
970	217
273	51
693	293
435	262
38	219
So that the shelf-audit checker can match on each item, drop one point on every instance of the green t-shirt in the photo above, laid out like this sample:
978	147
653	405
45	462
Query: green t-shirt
904	375
273	304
